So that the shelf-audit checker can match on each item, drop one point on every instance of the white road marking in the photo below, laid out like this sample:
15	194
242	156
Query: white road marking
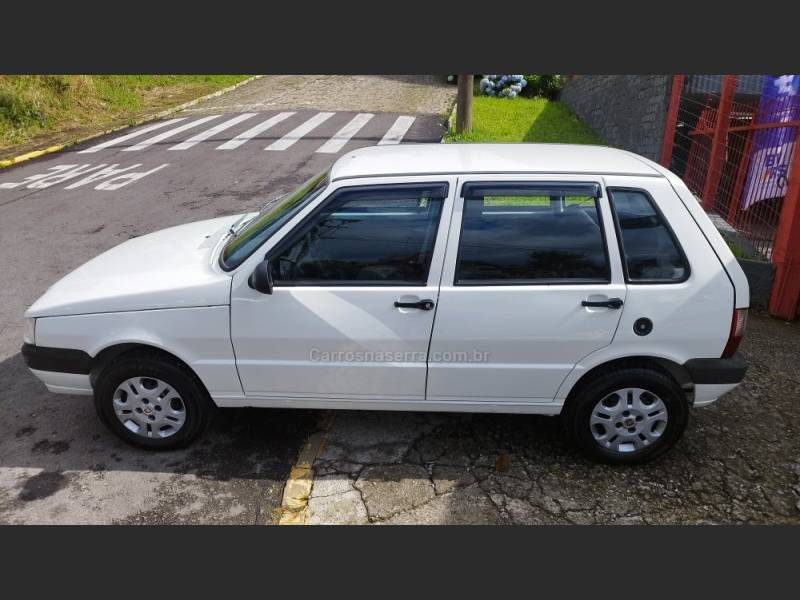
204	135
295	134
168	134
341	137
397	131
122	180
112	177
65	175
108	171
254	131
31	179
130	136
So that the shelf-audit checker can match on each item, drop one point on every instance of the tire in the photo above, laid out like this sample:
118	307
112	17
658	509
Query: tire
165	423
609	405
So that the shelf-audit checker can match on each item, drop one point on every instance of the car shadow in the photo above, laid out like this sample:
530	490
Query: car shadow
57	433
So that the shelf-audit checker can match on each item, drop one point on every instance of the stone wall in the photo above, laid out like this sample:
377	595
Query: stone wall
627	111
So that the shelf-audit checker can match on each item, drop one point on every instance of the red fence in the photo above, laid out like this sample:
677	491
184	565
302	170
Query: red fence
733	145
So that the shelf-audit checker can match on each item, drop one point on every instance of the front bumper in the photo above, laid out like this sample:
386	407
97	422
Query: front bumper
59	360
62	370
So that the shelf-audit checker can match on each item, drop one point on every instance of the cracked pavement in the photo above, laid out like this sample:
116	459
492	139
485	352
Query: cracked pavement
739	462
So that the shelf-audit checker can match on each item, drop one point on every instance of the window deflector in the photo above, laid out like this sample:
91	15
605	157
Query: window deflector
432	190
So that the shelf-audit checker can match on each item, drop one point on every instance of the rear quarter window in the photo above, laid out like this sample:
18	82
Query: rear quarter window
650	250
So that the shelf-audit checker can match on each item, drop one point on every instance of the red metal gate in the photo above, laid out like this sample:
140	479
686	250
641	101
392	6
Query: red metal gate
709	142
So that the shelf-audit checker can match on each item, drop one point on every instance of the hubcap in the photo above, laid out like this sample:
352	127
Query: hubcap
149	407
628	420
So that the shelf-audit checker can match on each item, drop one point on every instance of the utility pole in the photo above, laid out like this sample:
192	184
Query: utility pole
464	109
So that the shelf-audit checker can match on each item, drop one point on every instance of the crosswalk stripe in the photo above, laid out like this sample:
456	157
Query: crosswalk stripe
204	135
254	131
130	136
341	137
397	131
168	134
298	132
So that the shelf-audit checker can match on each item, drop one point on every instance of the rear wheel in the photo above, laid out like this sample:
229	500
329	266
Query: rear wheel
627	415
152	403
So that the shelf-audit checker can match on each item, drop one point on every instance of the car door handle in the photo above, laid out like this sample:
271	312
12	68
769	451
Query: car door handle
421	304
610	303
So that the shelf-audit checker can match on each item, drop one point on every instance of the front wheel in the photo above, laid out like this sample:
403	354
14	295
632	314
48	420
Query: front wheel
152	403
627	415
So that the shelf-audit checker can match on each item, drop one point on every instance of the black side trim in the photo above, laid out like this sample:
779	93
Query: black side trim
717	370
60	360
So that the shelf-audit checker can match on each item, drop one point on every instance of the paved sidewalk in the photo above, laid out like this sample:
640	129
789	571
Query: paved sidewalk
416	94
739	462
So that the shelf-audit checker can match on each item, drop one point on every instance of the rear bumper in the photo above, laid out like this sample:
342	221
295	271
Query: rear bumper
717	371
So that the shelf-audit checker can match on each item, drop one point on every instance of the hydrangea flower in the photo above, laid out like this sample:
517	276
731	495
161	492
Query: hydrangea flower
504	86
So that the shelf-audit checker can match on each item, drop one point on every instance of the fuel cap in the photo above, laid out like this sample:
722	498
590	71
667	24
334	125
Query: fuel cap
642	326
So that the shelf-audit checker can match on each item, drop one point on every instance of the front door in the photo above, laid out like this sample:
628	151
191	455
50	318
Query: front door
355	289
523	258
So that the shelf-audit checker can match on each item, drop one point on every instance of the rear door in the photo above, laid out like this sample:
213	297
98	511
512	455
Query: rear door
524	256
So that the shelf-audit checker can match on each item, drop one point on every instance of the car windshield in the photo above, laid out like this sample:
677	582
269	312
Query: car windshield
271	218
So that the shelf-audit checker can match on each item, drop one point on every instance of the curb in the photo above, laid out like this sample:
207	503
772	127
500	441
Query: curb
294	506
450	121
151	117
29	155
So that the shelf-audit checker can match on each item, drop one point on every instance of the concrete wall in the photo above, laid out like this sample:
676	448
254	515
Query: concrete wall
759	276
627	111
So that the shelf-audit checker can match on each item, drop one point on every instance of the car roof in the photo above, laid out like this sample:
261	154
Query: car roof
445	159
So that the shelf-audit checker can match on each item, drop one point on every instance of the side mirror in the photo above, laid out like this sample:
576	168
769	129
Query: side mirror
261	278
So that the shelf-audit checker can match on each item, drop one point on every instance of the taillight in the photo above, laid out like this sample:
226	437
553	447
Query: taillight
738	325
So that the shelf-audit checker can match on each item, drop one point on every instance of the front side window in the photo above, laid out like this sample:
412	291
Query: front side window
650	251
531	234
372	235
271	218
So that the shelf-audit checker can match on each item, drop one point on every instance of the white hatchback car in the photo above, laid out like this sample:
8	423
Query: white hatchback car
551	279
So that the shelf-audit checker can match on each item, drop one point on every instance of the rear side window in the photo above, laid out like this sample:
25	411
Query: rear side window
650	251
372	235
531	234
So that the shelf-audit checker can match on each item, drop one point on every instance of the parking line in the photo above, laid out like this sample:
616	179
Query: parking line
204	135
341	137
130	136
296	492
397	131
254	131
298	132
168	134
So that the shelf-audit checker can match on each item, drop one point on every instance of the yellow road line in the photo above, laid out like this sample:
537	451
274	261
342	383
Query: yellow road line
294	507
29	155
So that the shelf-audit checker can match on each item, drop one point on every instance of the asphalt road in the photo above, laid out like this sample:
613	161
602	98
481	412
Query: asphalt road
57	463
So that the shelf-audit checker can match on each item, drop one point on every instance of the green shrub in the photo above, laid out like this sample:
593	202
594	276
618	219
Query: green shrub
19	112
544	86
